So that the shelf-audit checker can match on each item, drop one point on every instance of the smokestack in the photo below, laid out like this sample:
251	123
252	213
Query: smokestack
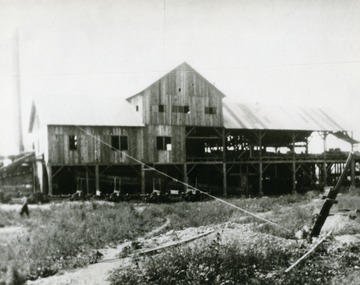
18	94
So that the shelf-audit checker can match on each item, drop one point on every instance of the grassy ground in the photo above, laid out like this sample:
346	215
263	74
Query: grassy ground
65	235
219	263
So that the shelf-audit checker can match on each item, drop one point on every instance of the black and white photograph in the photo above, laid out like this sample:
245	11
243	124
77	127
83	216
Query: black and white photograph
179	142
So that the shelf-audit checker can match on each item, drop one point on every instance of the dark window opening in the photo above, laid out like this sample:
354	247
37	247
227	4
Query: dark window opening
161	108
124	142
73	142
137	108
179	89
210	110
115	143
181	109
119	143
163	143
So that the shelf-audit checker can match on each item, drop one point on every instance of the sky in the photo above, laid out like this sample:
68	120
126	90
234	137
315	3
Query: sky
282	52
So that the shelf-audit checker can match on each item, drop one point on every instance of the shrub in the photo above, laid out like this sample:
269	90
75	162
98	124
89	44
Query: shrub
4	198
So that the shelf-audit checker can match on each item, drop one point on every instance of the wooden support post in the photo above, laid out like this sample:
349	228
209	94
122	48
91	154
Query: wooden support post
324	136
353	186
293	190
185	179
224	162
353	174
34	177
330	201
224	179
142	179
49	182
97	178
87	181
261	191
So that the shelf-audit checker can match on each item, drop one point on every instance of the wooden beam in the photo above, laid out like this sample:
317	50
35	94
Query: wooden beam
61	167
160	248
328	203
87	181
97	178
324	136
261	191
186	181
49	182
204	138
224	179
293	189
34	177
308	253
142	179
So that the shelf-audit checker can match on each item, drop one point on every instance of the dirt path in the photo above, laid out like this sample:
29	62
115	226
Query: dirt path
98	273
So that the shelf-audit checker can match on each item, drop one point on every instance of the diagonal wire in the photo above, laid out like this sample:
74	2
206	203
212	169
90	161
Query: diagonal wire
187	185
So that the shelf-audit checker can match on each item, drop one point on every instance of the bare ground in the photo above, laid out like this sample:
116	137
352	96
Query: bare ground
98	273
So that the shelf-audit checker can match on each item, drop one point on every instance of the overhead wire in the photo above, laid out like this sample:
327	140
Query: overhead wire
234	68
187	185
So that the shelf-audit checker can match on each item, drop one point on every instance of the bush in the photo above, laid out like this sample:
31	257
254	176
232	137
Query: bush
4	198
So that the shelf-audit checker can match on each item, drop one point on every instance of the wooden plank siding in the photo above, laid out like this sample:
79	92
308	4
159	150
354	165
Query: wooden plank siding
89	149
153	155
181	87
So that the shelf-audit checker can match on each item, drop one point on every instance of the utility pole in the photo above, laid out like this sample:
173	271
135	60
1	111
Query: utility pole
18	93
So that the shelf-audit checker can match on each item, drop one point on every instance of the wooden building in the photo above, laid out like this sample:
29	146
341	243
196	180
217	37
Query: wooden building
183	126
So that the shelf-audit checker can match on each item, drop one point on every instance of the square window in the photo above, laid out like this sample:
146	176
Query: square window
124	143
119	143
163	143
181	109
115	143
161	108
210	110
73	142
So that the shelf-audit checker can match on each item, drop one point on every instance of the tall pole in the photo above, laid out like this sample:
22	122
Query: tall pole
18	93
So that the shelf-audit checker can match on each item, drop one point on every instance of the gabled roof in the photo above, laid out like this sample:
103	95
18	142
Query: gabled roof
83	111
265	117
184	67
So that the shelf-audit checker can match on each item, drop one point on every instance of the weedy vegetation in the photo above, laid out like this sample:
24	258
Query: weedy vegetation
233	264
66	235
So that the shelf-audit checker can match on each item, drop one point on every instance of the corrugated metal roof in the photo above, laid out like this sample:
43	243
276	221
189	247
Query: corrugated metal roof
87	112
265	117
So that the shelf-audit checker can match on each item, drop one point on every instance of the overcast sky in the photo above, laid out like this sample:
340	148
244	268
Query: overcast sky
280	52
